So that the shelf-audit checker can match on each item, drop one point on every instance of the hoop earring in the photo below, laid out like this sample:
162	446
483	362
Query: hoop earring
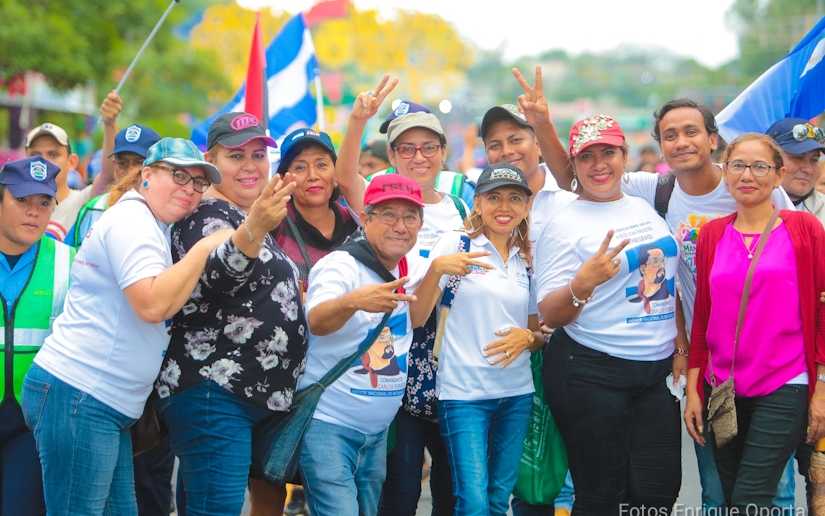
574	184
519	233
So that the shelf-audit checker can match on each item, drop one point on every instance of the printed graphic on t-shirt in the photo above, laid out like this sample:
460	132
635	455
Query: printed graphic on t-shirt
656	286
384	370
688	234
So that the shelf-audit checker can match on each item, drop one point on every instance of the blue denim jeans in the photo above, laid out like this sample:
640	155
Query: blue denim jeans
343	469
564	500
21	482
85	448
210	431
402	489
484	441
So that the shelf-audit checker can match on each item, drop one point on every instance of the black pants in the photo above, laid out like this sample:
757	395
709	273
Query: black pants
769	428
402	488
153	480
621	426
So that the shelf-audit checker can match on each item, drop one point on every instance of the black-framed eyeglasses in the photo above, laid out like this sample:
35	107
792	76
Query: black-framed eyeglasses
758	168
408	150
182	177
802	132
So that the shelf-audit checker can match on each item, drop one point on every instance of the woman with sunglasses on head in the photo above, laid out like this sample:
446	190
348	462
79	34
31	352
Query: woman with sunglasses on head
605	267
417	150
238	343
484	384
91	378
758	323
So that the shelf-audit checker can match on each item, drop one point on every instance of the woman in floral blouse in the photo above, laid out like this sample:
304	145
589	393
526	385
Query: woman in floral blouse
238	344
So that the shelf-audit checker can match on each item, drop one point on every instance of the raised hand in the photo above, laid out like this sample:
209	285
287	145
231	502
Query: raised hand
532	102
459	264
367	103
270	208
381	297
111	107
600	267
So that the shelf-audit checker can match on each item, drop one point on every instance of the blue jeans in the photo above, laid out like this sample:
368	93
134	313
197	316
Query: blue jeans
564	500
343	469
484	441
21	482
402	489
85	448
210	431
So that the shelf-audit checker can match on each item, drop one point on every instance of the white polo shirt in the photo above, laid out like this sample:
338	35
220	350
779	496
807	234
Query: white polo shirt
547	202
367	396
632	315
486	301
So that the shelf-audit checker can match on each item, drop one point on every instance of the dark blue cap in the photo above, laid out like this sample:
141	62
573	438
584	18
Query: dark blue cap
136	139
797	136
300	139
30	176
403	107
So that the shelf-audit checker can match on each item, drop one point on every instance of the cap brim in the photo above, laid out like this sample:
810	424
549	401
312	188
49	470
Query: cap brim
384	126
489	187
392	196
133	148
233	141
296	148
412	123
211	170
497	114
615	141
805	146
28	189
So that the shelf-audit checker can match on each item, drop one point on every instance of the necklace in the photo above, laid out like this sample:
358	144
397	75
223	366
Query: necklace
754	241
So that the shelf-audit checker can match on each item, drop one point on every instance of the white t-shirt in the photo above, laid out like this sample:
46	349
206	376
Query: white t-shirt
438	218
99	344
65	213
686	215
618	320
368	395
486	301
546	204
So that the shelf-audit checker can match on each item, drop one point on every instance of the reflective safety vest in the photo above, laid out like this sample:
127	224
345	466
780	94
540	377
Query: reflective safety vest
87	216
27	322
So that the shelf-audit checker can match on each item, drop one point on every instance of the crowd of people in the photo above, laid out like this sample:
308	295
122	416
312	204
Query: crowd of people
204	292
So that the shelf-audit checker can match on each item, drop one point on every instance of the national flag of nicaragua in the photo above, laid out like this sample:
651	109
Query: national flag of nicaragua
793	87
291	67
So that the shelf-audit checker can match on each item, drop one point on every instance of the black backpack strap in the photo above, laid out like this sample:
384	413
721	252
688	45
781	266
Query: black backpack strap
296	234
664	190
360	249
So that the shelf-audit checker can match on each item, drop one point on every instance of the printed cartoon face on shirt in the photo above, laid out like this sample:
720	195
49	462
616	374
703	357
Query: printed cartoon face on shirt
385	371
656	283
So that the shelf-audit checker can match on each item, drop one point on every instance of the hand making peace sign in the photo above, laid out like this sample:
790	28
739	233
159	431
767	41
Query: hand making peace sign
367	103
532	102
600	267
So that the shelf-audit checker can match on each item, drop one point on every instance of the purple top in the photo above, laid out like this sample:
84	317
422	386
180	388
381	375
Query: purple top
771	349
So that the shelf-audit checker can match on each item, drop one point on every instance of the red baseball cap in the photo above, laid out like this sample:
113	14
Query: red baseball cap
594	130
391	187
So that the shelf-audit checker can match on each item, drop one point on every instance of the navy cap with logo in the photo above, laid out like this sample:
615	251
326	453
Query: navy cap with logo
30	176
499	175
499	113
300	139
135	139
403	107
236	129
797	136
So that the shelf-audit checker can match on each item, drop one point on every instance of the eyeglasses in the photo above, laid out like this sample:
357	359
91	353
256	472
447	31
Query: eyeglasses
802	132
182	177
758	168
390	218
408	150
125	163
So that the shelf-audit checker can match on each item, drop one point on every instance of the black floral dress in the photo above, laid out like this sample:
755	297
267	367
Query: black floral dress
244	326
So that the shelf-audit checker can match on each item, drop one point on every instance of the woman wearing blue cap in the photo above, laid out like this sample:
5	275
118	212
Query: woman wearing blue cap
238	344
91	378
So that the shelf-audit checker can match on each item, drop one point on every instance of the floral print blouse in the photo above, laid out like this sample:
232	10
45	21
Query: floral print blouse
244	326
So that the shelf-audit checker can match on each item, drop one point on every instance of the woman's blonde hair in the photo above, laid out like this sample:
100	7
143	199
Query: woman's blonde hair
126	183
778	162
520	237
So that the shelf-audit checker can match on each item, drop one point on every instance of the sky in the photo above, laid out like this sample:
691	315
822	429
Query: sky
696	29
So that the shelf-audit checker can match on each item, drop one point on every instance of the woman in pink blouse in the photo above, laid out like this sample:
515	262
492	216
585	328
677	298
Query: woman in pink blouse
779	367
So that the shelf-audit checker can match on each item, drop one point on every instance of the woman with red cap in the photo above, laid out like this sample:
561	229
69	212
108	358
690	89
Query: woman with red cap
605	270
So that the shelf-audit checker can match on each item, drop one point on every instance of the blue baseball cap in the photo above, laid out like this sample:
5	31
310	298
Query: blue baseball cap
797	136
183	153
30	176
403	107
135	139
300	139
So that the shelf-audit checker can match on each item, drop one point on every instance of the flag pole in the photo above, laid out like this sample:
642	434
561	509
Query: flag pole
319	103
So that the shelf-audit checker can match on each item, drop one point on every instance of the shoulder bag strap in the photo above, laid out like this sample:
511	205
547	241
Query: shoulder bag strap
296	234
345	363
447	299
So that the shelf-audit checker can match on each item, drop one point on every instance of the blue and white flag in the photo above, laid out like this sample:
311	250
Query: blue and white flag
793	87
291	67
